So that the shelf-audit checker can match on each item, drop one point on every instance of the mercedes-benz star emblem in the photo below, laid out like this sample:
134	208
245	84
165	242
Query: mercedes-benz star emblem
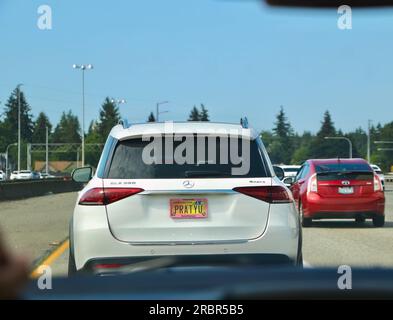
188	184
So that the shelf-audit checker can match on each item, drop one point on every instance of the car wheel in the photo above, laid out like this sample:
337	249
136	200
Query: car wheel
360	219
379	221
306	222
71	264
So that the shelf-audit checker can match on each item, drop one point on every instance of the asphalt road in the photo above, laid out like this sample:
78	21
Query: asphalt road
37	226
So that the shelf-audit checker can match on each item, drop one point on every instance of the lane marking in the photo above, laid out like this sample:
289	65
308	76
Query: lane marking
51	258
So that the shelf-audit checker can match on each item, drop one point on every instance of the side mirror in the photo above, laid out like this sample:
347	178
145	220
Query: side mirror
279	172
289	181
82	175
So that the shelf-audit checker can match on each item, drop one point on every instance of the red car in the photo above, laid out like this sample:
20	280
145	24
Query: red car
338	189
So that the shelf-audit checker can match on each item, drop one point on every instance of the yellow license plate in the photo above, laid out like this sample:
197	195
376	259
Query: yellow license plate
188	208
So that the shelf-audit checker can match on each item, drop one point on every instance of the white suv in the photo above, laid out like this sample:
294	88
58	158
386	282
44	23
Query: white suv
164	200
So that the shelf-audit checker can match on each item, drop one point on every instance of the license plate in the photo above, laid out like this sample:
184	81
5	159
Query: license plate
345	190
188	208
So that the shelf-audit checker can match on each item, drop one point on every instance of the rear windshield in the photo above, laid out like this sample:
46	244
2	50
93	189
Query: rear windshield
344	171
129	161
291	169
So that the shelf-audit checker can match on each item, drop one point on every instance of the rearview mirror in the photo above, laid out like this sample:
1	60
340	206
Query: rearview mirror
279	172
82	175
288	181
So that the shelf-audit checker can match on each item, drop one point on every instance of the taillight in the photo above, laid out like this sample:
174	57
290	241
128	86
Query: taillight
313	184
104	196
377	184
271	194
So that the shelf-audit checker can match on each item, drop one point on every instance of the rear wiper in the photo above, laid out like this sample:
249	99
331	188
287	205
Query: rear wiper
189	174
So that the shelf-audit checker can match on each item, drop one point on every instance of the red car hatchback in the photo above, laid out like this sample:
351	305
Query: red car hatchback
338	189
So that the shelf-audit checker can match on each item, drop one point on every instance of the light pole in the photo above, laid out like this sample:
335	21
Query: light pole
342	138
47	150
119	101
83	67
6	158
18	92
158	109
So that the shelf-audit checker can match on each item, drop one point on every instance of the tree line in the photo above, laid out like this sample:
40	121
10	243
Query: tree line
283	144
66	131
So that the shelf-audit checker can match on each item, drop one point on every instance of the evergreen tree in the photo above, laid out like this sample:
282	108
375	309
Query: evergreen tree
151	118
10	123
39	131
327	128
109	117
282	128
194	115
204	114
93	148
68	129
322	148
282	147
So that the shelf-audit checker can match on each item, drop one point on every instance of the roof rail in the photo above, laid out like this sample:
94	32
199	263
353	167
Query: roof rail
124	123
244	122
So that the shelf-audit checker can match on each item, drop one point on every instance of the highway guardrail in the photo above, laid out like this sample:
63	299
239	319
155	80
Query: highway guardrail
21	189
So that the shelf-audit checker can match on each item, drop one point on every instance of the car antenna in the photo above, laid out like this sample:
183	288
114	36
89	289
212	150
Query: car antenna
244	122
124	123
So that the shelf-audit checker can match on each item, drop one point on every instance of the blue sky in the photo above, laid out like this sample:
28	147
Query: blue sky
237	57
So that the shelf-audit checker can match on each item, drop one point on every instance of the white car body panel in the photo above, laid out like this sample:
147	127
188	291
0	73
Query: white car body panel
289	173
145	217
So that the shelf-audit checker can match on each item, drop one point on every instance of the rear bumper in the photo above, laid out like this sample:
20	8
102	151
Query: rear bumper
320	207
111	265
92	241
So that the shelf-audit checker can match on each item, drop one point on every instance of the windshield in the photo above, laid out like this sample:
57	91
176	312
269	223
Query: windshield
342	167
209	166
291	169
82	191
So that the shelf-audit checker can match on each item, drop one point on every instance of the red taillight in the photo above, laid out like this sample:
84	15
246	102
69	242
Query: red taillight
377	184
313	184
108	266
271	194
104	196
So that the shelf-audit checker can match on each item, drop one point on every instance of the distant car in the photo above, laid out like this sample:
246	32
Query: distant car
35	175
22	175
290	170
339	189
380	174
44	175
2	175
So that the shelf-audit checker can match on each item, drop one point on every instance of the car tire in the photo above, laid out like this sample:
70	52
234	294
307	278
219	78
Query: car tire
379	221
299	257
71	264
360	219
306	222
